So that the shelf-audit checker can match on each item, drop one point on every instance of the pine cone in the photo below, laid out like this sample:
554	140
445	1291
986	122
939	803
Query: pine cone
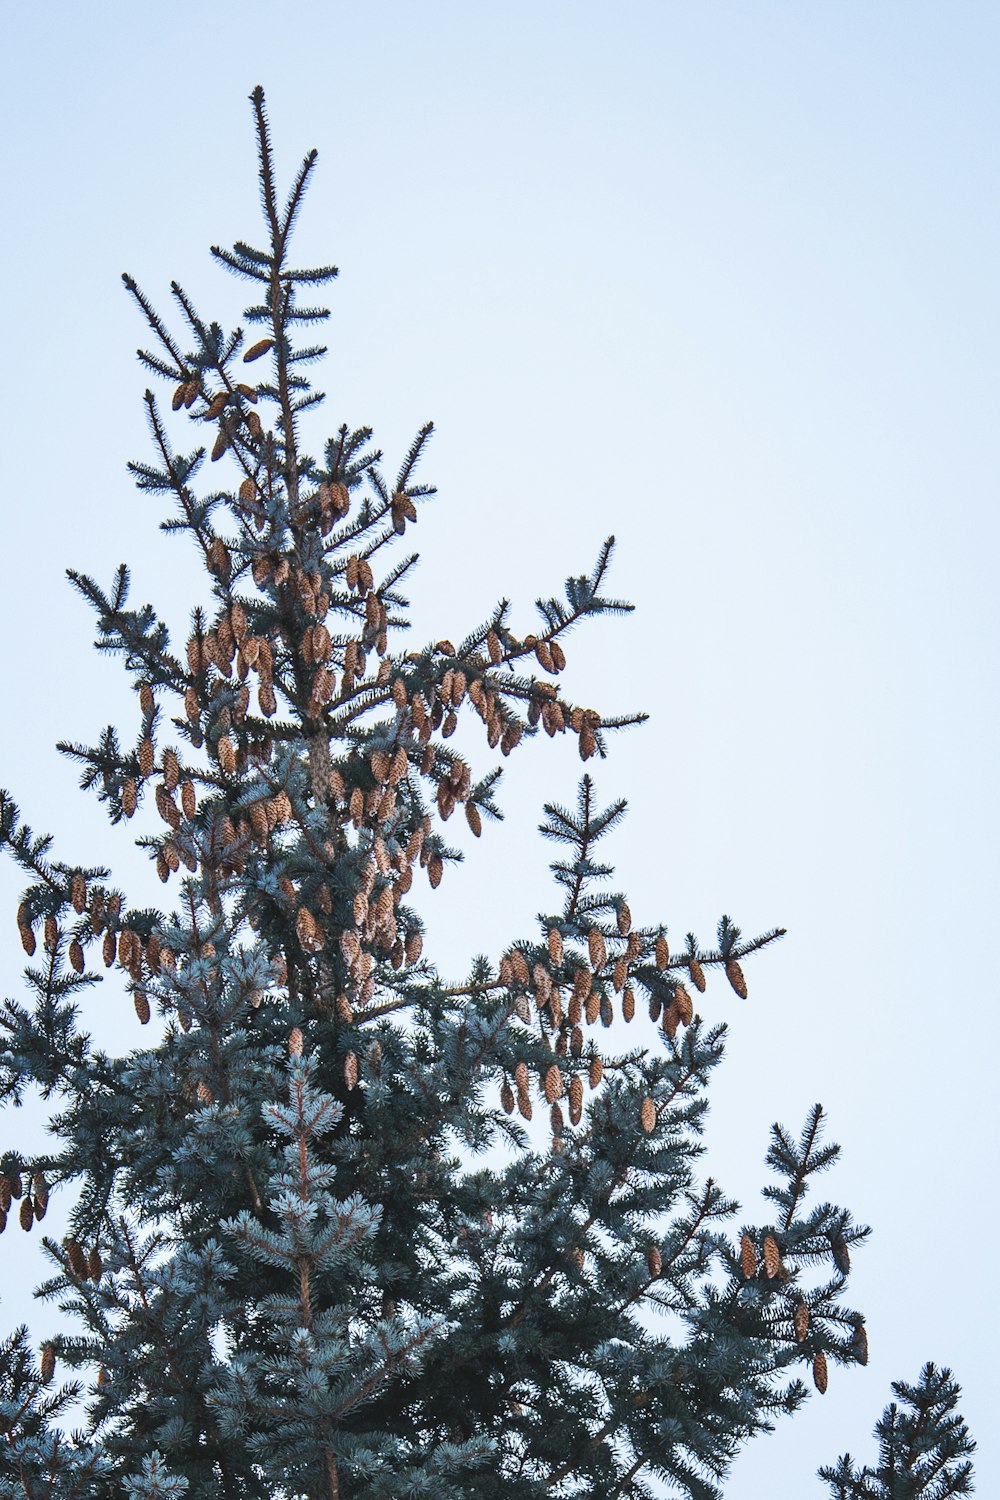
800	1320
697	975
841	1254
227	755
47	1363
748	1256
553	1086
41	1197
171	770
654	1262
351	1070
77	1260
575	1099
735	976
596	947
772	1256
647	1115
859	1344
820	1374
662	954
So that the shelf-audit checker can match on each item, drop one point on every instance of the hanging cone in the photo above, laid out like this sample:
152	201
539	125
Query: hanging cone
820	1374
859	1344
77	1260
227	755
800	1320
171	769
553	1086
735	976
662	953
772	1256
684	1004
654	1262
748	1256
647	1115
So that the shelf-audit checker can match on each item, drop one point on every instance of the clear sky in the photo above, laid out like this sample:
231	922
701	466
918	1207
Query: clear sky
721	278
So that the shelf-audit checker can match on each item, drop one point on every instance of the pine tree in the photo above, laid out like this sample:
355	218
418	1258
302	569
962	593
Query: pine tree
288	1272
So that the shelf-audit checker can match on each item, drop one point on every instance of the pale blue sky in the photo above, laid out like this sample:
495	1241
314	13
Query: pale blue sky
720	278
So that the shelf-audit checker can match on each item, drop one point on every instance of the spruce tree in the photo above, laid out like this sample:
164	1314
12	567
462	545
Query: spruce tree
288	1270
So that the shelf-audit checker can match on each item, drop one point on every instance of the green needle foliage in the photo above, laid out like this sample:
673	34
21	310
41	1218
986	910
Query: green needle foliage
289	1268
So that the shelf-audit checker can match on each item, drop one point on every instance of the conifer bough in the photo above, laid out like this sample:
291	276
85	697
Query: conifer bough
285	1273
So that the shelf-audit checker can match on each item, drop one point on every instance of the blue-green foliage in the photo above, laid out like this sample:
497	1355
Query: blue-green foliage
924	1447
345	1228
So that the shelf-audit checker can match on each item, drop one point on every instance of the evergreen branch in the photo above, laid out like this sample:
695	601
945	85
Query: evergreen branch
153	319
